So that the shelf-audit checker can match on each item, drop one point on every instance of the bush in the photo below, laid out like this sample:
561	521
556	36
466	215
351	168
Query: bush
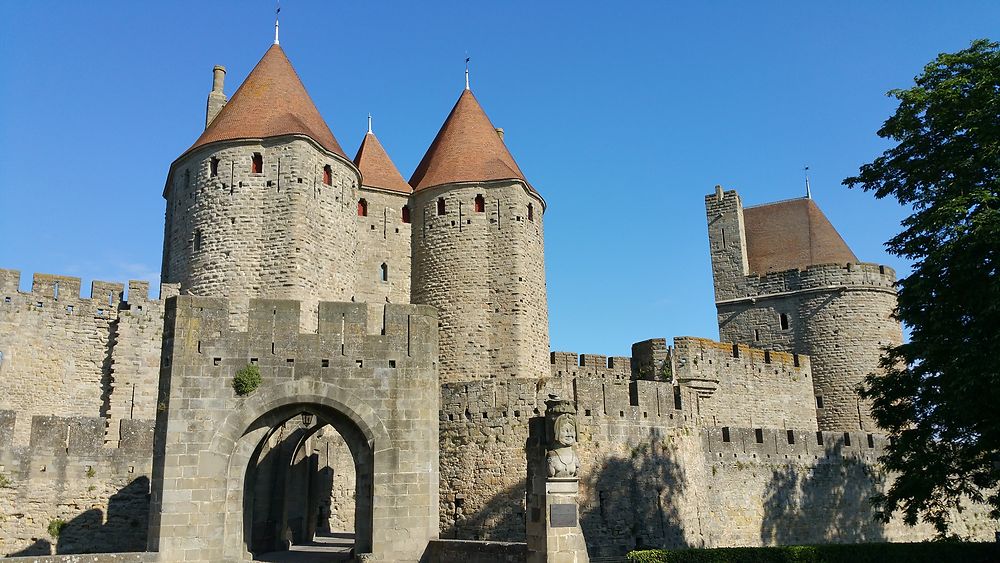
246	380
927	552
56	526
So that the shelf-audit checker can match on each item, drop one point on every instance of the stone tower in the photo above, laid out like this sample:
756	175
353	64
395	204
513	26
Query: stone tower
263	205
383	270
478	251
786	280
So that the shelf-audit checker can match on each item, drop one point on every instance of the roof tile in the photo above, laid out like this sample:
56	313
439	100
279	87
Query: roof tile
271	102
792	234
377	169
466	149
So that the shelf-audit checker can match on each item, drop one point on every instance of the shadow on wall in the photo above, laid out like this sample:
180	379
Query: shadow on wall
631	505
125	528
824	503
500	519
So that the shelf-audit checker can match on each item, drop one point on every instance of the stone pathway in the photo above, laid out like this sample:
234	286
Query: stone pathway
335	546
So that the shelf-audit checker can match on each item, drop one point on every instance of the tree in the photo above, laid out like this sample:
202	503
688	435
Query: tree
938	396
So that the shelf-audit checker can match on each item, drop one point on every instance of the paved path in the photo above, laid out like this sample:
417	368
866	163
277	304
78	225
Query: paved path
325	547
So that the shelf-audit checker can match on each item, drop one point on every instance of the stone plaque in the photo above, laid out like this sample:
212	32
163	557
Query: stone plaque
562	515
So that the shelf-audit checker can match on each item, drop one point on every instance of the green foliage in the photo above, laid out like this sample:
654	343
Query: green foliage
4	482
91	472
933	552
56	526
246	380
937	395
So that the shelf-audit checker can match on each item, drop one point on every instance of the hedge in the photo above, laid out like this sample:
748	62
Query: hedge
926	552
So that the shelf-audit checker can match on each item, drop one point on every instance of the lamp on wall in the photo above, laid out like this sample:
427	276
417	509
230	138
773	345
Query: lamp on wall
307	419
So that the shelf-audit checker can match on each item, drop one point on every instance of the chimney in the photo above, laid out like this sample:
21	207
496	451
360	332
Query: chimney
216	99
500	132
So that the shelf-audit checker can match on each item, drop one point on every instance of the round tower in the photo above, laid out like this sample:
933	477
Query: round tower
846	311
478	251
263	204
786	280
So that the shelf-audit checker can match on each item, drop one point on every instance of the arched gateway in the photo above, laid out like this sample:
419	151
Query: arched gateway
379	392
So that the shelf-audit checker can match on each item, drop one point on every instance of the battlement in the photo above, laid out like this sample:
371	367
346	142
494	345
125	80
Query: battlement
691	352
571	364
721	200
273	337
848	276
724	441
77	435
68	288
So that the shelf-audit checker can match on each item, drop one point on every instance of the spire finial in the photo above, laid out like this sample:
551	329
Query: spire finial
467	59
277	10
369	122
808	190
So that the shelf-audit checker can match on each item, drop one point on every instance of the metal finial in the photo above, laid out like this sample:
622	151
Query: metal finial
369	122
277	10
467	73
808	190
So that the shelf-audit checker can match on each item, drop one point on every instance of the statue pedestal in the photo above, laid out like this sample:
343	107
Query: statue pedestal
553	527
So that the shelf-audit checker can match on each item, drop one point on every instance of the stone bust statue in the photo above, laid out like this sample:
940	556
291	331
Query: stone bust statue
561	459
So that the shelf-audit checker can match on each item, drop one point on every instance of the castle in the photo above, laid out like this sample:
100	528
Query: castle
411	317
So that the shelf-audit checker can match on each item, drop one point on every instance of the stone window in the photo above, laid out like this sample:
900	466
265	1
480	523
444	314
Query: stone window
328	175
819	401
362	208
197	240
213	167
406	214
758	435
725	434
480	204
384	272
784	321
440	206
790	435
257	163
531	212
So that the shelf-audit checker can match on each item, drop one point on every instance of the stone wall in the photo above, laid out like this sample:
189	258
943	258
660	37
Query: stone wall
383	238
379	391
465	551
281	233
65	492
654	476
66	355
739	385
838	314
485	273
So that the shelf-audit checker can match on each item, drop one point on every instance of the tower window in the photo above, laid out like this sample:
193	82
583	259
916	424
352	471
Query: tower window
214	167
384	272
257	164
406	213
440	206
531	212
197	240
784	321
362	208
819	401
327	175
480	204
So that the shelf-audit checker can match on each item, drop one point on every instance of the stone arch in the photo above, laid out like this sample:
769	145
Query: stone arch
249	425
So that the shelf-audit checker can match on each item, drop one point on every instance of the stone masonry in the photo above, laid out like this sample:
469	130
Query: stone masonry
379	392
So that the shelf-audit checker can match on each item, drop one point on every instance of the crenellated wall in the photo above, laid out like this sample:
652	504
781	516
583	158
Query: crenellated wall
66	480
737	384
485	272
655	477
68	355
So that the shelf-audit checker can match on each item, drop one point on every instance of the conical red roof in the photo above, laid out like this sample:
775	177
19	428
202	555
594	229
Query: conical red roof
270	102
466	149
377	169
792	234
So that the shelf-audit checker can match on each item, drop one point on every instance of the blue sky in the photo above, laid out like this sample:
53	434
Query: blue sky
623	115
